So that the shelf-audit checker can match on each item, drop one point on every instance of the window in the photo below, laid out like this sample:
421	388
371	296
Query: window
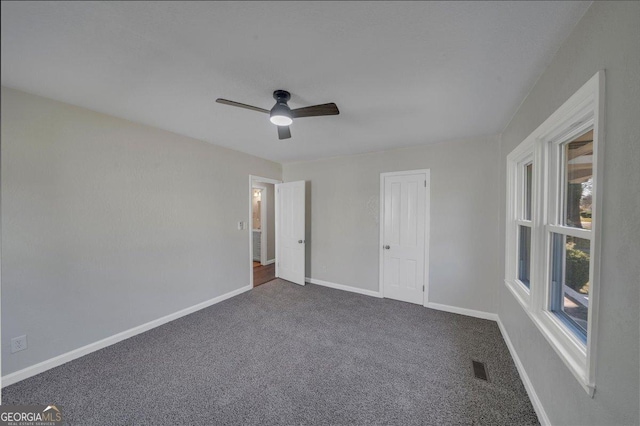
552	235
570	233
521	212
524	227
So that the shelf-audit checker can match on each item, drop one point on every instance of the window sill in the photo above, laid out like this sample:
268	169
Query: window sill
520	292
572	353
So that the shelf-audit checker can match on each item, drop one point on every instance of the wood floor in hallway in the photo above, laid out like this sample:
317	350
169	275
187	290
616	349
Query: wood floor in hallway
263	274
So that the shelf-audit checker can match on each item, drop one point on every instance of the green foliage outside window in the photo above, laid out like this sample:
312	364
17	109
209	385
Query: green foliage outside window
577	272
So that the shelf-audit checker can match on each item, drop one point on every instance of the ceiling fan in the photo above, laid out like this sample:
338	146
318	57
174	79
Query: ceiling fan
282	116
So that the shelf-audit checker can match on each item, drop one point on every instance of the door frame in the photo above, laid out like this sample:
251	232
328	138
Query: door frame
259	179
264	225
427	229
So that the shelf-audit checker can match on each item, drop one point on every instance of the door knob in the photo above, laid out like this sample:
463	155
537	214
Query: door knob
387	247
300	241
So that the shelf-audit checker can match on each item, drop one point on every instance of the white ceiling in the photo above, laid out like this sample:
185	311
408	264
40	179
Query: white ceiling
402	74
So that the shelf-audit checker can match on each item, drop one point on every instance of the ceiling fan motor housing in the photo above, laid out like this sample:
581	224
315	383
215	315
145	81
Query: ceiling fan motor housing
281	108
281	96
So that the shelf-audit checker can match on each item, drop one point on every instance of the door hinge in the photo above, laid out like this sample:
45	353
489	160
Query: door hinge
423	289
425	183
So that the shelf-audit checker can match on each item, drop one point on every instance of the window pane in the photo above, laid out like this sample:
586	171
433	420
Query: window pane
524	254
569	299
578	181
528	175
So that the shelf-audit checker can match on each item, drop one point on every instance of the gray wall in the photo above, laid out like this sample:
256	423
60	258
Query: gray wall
343	218
108	224
608	37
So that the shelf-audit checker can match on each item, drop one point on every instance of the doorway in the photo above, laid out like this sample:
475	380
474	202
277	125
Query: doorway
262	230
277	231
404	235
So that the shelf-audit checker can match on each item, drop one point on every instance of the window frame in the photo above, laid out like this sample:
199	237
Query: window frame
557	208
516	190
580	113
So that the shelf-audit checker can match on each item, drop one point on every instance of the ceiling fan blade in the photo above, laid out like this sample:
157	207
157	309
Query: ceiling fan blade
315	111
239	105
284	132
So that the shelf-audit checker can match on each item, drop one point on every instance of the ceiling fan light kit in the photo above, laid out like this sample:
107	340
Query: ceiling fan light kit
282	116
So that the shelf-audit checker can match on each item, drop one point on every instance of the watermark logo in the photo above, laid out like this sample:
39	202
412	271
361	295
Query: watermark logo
30	415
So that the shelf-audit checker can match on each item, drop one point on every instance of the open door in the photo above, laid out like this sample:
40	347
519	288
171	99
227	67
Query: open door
290	231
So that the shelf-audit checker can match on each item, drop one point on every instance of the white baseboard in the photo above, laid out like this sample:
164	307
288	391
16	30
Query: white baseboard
269	262
344	287
463	311
533	396
25	373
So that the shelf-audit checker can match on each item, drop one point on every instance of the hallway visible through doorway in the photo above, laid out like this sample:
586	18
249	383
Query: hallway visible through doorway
262	238
263	274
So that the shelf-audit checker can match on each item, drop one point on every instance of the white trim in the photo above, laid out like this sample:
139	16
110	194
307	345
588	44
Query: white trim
258	179
427	229
522	222
43	366
269	262
583	110
430	305
533	396
519	291
522	155
562	341
276	228
264	179
598	167
463	311
427	237
405	172
585	234
344	287
264	226
380	238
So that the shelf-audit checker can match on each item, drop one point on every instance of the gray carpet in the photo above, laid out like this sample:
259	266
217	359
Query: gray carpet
285	354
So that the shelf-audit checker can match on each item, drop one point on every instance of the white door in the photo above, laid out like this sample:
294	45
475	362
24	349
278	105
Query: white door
290	241
404	231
